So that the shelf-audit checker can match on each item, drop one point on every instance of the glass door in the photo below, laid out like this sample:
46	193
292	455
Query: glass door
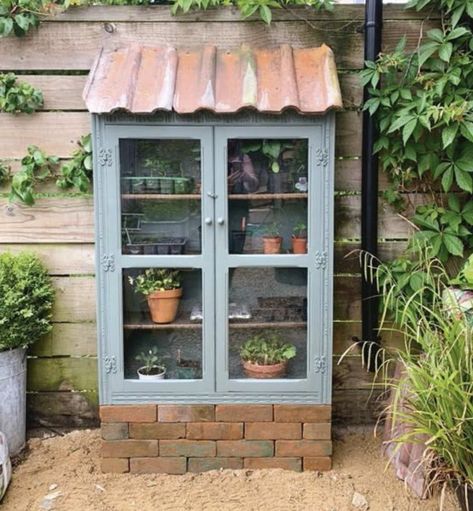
165	254
269	224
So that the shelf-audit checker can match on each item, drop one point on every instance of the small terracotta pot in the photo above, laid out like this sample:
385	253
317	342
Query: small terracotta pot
299	245
264	372
163	305
272	244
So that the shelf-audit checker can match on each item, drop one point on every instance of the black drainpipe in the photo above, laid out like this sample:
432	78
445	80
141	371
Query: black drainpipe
369	186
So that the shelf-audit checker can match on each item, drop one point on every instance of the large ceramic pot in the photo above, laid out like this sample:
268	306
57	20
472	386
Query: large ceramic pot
163	305
264	371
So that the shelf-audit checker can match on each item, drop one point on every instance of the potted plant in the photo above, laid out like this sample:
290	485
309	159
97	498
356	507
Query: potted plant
153	367
299	239
272	239
163	290
265	356
26	301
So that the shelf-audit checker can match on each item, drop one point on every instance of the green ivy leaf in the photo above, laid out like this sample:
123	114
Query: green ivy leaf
453	244
464	180
448	134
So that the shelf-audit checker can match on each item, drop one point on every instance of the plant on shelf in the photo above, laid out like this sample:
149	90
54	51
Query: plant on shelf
266	356
153	367
36	167
78	172
163	290
18	97
299	239
272	239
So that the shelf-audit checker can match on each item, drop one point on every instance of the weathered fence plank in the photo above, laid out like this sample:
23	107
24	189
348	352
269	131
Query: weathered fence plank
68	339
60	259
75	299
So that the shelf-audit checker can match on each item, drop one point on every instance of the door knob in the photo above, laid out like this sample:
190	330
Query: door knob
208	221
220	221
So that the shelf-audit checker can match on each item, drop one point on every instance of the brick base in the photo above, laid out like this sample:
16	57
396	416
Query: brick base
174	439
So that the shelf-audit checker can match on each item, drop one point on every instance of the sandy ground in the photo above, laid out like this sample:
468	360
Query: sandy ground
72	463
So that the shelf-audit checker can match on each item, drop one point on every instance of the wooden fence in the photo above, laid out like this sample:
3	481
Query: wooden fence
62	377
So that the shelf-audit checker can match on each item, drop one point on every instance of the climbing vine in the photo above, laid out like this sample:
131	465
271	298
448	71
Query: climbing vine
18	97
424	112
78	172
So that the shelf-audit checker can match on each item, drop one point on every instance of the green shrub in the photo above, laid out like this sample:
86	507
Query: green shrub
26	300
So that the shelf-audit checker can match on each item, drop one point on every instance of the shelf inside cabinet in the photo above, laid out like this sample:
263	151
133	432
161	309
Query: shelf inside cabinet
161	196
267	196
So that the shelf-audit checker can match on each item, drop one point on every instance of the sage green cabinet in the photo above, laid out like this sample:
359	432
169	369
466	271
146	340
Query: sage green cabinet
243	210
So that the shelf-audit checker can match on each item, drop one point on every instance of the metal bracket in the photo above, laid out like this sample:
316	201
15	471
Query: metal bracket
320	260
110	364
105	157
320	365
108	263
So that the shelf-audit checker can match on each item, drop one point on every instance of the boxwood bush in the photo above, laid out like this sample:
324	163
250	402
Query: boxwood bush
26	300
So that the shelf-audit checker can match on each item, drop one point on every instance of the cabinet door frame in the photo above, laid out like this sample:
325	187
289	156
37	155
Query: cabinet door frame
115	388
317	261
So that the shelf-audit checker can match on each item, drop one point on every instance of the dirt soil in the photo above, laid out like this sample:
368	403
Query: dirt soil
70	465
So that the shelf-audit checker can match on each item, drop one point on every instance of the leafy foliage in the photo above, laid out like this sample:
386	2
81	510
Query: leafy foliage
156	279
432	399
36	167
267	349
464	278
249	7
78	172
424	111
300	230
4	173
27	300
19	16
16	97
151	360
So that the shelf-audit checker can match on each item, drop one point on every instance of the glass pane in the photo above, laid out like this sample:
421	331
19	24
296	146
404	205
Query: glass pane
267	194
164	324
268	323
160	187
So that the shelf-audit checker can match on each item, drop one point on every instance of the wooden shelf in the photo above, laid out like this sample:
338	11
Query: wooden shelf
161	196
267	196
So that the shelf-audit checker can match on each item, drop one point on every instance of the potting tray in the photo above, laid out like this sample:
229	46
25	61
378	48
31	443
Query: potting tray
158	184
160	246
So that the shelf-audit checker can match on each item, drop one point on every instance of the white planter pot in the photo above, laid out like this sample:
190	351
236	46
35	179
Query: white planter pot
151	377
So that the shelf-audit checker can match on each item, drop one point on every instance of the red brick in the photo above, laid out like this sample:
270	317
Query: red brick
115	465
114	430
302	413
244	413
191	448
321	463
309	448
245	448
129	448
273	462
317	431
186	413
157	430
204	464
215	430
273	431
158	465
128	413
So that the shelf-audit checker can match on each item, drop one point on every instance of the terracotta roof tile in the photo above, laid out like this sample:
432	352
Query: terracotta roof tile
143	79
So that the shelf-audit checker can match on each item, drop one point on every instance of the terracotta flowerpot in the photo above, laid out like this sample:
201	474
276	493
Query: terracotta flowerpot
264	372
299	245
272	244
160	373
163	305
